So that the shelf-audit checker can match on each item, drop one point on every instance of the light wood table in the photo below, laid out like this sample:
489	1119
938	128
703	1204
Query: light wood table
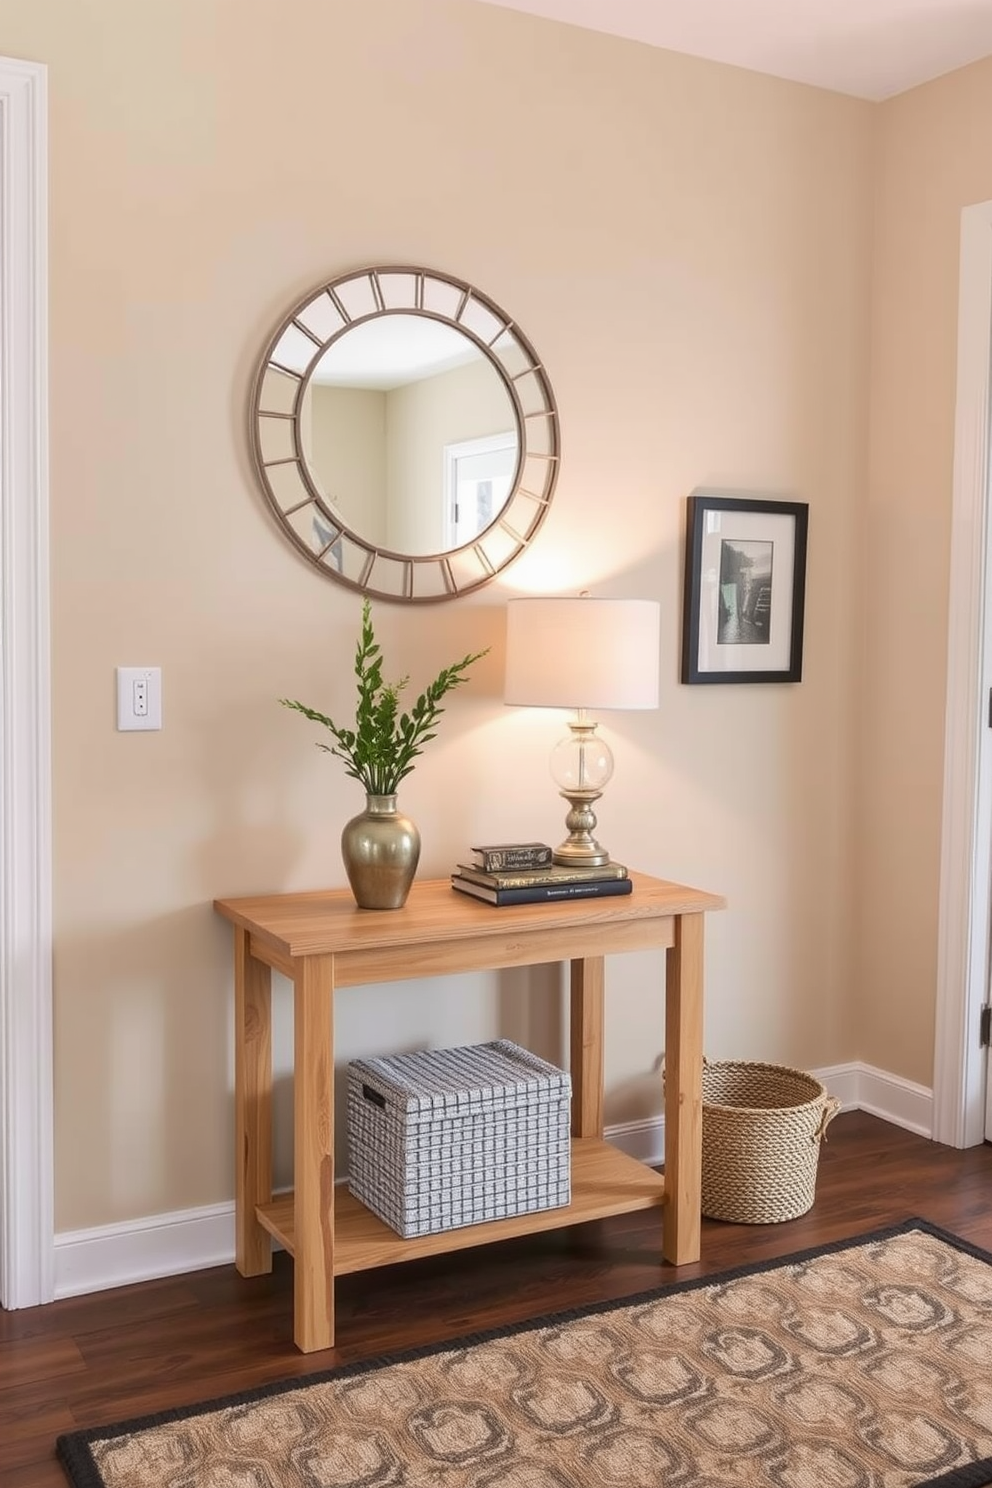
322	941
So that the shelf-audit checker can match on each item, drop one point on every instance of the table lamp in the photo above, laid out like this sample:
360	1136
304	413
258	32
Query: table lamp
582	653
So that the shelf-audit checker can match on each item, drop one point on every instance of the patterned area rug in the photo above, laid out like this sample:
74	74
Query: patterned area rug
862	1365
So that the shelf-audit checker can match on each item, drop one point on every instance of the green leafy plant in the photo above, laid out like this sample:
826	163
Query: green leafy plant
380	750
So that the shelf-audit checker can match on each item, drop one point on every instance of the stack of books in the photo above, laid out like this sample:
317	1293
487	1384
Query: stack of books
524	873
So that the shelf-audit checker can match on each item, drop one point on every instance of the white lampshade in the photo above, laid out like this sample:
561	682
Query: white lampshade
582	653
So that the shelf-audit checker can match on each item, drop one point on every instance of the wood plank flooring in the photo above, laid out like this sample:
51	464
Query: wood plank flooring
90	1360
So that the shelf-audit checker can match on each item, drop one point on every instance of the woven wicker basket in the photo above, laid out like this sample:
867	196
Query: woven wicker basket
762	1125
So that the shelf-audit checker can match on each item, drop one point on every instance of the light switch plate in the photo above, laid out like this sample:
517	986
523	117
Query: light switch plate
139	698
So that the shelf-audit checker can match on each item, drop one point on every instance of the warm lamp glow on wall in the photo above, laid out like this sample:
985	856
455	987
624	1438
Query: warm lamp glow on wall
584	654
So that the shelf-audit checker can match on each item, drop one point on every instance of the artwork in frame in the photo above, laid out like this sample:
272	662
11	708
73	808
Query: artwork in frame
745	589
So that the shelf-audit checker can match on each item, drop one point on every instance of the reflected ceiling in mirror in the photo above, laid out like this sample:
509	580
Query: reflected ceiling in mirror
405	434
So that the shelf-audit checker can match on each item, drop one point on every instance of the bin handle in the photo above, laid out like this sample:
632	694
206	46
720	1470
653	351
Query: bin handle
830	1108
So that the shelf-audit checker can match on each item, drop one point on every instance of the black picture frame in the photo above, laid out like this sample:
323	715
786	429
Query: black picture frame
745	589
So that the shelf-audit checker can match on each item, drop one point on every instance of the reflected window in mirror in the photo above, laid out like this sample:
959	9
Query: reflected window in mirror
478	479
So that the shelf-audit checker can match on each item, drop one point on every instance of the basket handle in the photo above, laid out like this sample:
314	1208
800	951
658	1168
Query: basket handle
831	1106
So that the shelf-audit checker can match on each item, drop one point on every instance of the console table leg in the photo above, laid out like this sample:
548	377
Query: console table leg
588	981
683	1091
252	1106
313	1154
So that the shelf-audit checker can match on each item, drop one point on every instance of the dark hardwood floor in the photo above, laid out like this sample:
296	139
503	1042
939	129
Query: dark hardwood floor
105	1357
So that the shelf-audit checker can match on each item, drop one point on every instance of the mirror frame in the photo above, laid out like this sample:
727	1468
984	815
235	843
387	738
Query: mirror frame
289	485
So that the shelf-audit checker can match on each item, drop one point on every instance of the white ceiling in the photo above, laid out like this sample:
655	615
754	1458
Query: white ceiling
869	48
393	350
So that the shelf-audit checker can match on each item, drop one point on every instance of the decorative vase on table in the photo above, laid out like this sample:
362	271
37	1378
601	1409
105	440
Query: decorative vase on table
381	849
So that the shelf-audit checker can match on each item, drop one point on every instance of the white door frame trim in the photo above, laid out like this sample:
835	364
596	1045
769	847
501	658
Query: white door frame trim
27	1248
966	844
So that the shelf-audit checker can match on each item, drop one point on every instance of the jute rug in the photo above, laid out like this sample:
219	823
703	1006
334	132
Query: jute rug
861	1365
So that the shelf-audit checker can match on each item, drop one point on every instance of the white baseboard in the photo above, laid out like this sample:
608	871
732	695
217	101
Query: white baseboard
644	1139
193	1239
861	1087
143	1249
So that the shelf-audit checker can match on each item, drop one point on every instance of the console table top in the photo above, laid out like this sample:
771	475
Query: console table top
327	921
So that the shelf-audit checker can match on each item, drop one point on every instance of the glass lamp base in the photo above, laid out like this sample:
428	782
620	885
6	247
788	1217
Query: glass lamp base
581	765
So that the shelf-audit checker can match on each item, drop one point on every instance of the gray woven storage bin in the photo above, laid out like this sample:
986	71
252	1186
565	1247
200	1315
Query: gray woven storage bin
762	1125
450	1137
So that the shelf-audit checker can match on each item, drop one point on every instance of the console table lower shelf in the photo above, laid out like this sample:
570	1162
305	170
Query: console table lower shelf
325	944
604	1181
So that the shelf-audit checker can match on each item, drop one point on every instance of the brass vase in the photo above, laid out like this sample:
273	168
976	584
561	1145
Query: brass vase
381	850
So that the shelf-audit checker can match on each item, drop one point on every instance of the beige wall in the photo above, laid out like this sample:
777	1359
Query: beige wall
689	248
348	449
933	159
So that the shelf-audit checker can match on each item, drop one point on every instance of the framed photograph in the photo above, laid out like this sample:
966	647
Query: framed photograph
745	589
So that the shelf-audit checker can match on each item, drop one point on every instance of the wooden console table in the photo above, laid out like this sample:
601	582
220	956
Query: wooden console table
322	941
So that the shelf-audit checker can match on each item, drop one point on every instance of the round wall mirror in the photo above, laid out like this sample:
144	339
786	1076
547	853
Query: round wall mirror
405	434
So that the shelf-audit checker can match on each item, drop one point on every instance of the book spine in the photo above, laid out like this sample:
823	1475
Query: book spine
542	893
546	893
541	877
499	859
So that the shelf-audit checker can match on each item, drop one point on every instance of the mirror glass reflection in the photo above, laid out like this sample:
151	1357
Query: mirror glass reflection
409	434
404	433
